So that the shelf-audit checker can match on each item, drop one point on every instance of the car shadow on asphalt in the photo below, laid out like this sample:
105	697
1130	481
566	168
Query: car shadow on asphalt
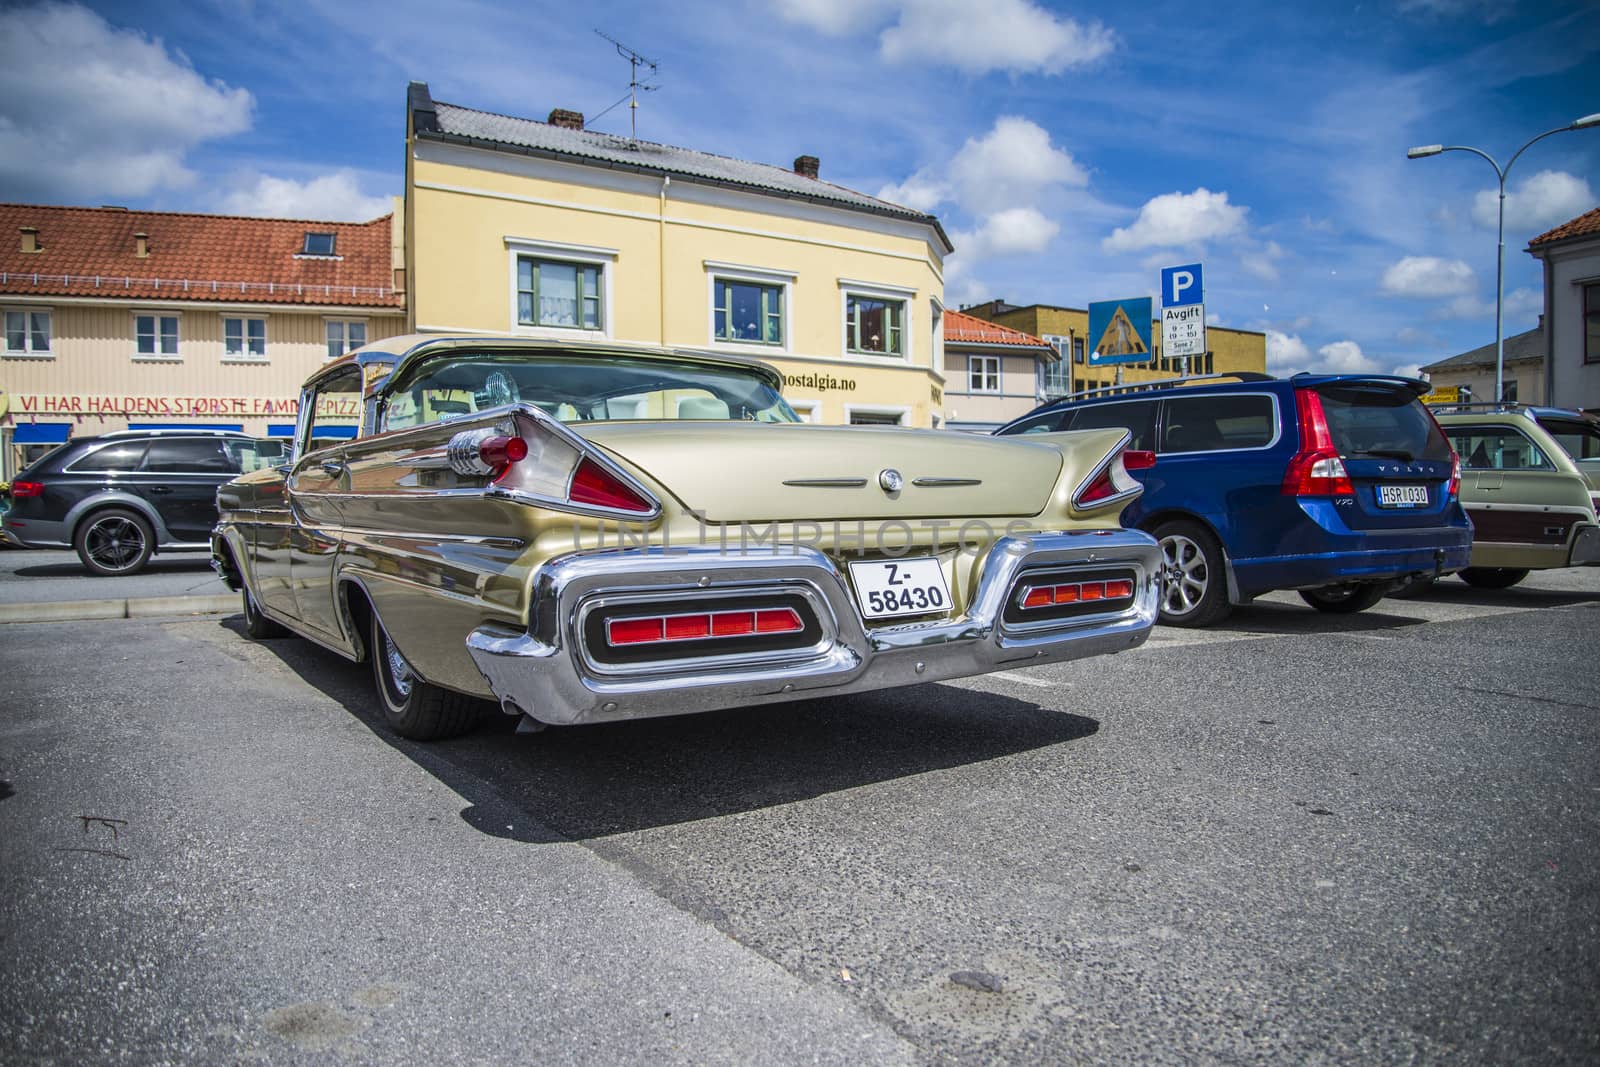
197	565
581	782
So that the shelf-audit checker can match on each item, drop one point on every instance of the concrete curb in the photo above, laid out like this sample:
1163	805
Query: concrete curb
134	608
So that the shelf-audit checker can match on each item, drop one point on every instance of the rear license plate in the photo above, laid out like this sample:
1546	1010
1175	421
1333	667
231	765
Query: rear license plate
1402	496
888	588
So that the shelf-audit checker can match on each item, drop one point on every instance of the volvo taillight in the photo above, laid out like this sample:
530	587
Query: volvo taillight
1317	469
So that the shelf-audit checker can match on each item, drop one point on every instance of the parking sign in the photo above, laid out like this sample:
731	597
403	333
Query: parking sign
1181	286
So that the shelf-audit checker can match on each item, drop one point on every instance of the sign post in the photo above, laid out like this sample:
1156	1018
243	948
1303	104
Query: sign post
1183	312
1119	330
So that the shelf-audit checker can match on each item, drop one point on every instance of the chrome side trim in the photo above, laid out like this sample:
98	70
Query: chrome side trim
826	483
545	672
942	483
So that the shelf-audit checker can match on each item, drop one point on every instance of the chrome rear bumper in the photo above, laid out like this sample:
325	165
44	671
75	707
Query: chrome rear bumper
545	672
1585	547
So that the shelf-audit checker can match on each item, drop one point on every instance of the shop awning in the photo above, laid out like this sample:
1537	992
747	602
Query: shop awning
41	433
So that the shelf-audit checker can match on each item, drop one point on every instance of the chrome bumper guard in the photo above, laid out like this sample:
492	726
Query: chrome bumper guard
546	673
1585	547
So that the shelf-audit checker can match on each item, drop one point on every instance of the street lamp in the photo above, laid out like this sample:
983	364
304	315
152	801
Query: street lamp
1422	151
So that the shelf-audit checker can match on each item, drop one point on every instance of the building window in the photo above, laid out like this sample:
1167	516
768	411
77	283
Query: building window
747	312
871	417
27	332
244	338
874	326
155	335
1591	324
1055	379
1077	350
553	293
317	244
1508	391
983	374
345	335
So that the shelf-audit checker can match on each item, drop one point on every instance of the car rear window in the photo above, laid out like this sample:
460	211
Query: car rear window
122	456
1580	439
1214	423
1136	416
1496	448
1381	420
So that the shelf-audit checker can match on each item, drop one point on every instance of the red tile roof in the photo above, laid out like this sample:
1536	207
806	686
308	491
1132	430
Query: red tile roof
90	252
1582	226
964	329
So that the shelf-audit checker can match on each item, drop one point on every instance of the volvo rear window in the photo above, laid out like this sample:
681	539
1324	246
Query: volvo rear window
1380	420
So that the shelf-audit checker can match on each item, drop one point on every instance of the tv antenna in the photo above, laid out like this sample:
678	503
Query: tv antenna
635	85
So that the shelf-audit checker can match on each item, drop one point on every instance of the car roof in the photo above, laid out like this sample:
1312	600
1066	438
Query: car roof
1488	410
1210	385
198	431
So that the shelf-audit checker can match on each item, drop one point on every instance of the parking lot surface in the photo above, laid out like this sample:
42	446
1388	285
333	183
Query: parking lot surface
1292	838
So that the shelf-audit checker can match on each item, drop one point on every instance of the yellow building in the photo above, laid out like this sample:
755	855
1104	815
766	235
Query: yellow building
546	229
1068	328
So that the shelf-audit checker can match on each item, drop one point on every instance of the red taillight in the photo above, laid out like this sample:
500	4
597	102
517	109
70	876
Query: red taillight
1135	459
1101	488
593	484
1455	474
501	451
19	490
1317	469
1045	596
655	629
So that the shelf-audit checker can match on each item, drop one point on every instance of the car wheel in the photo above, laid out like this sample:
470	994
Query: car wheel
1415	586
1492	577
114	541
256	624
414	708
1193	579
1345	598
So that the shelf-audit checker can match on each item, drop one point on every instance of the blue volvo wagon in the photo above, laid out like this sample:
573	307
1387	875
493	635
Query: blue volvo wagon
1339	486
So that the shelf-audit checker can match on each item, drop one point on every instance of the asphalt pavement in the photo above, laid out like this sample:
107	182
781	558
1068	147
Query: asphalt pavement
48	585
1293	838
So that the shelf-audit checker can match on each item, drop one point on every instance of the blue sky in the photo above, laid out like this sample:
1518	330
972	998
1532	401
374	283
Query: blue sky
1071	150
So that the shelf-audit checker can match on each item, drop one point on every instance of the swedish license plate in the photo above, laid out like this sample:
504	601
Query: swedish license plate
1402	496
887	588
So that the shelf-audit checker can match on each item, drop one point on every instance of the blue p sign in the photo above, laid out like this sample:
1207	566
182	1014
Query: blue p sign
1181	286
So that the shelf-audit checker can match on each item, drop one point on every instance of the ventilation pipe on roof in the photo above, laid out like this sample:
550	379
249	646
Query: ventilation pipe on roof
141	245
807	166
30	238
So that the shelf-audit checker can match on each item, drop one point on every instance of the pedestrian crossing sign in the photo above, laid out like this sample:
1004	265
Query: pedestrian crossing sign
1119	330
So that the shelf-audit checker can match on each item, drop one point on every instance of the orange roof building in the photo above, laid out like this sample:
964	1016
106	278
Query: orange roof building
993	373
115	318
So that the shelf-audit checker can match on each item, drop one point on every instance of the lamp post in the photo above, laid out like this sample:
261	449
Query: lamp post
1500	262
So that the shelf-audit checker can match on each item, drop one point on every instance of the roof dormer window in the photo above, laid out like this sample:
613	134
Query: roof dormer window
318	244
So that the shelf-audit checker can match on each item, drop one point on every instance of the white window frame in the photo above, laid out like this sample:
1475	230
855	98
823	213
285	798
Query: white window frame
973	363
346	322
583	255
902	413
246	356
736	272
849	287
809	410
27	351
175	356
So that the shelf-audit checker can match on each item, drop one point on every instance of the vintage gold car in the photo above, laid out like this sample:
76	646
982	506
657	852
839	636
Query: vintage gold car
590	533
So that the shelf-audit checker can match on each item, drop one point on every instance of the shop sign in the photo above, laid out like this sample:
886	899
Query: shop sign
822	383
30	404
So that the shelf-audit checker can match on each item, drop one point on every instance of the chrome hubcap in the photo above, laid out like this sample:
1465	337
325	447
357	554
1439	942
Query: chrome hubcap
399	671
1184	577
114	542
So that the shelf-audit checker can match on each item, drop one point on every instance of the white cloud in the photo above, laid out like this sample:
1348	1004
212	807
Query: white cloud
91	112
918	192
1286	354
1547	199
1524	303
335	197
1177	219
1428	276
1261	262
1013	163
1345	357
1409	370
1015	231
834	17
1009	35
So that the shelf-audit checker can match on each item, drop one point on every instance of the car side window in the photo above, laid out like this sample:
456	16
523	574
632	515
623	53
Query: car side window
1579	439
335	411
1136	416
122	456
1496	448
187	456
1046	422
1214	423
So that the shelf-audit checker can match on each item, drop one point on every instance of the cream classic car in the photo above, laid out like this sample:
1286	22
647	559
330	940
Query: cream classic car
590	533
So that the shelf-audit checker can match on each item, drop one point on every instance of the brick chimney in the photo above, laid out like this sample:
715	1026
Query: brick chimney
567	120
141	245
807	166
30	238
